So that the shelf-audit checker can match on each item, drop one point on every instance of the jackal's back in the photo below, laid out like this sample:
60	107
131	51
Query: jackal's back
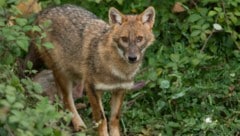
70	30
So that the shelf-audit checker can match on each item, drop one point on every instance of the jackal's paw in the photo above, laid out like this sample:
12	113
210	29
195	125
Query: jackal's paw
78	125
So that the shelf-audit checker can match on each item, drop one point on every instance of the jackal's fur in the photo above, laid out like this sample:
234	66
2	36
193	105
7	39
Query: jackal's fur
97	55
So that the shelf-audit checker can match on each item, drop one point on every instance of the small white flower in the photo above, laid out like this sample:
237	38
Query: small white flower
232	74
217	27
208	120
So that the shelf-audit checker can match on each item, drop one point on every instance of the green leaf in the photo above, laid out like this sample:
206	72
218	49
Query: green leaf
13	119
196	27
36	29
153	76
194	17
152	61
190	121
11	1
23	44
175	57
2	23
205	26
2	3
5	103
11	98
173	124
218	9
160	104
178	95
81	134
10	37
47	23
195	33
195	61
27	28
9	59
120	2
234	19
48	45
97	1
164	84
57	2
21	21
18	105
37	87
203	36
29	64
237	13
212	13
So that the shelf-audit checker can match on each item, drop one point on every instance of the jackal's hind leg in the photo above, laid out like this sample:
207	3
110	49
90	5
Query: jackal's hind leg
65	85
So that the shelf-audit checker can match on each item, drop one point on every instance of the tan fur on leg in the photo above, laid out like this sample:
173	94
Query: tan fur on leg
116	103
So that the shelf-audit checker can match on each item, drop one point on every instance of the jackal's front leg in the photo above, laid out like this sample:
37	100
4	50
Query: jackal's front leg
116	104
94	97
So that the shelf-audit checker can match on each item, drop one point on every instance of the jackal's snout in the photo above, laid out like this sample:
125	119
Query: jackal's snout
132	58
132	55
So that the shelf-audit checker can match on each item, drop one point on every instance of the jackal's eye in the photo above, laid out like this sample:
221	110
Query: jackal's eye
139	38
124	39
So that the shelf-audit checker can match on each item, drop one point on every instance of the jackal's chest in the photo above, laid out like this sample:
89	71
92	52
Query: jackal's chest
114	86
123	74
114	79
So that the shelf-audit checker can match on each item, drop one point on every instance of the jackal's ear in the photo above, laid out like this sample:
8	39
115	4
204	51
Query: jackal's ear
148	16
115	16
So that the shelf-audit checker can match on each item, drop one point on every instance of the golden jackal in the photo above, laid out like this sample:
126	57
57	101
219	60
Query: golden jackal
97	55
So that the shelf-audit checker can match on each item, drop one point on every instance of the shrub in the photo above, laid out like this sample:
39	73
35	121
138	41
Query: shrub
23	111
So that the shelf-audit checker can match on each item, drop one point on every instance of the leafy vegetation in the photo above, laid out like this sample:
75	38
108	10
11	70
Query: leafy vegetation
23	111
192	71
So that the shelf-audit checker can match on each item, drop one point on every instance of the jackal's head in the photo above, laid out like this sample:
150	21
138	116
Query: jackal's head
132	34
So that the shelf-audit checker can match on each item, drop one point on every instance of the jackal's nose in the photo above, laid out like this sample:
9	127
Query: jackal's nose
132	58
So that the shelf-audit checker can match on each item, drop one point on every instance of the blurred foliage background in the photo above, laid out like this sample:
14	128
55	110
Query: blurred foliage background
192	72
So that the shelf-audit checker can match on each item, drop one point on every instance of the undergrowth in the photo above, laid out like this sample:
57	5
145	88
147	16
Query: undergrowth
192	71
